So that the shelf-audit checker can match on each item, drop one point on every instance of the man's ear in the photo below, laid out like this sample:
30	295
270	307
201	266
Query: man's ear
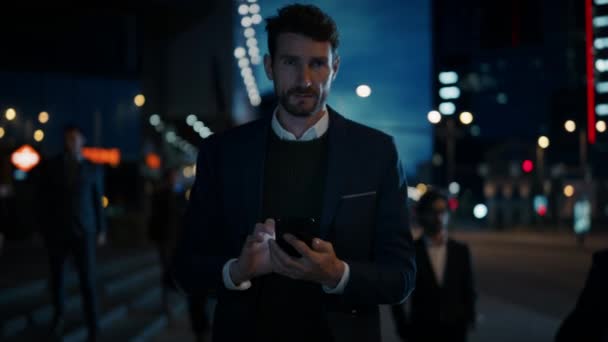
268	66
335	66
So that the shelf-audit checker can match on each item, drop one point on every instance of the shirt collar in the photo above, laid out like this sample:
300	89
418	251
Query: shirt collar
430	244
314	132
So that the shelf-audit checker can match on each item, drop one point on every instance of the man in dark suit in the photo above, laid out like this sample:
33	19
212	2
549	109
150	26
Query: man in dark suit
73	222
306	162
589	320
442	308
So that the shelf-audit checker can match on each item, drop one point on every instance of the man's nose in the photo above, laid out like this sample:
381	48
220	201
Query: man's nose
305	76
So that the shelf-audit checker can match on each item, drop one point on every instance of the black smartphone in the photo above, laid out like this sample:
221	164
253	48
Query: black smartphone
302	228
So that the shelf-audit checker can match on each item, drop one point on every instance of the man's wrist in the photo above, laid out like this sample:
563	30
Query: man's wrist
341	285
236	275
336	276
228	280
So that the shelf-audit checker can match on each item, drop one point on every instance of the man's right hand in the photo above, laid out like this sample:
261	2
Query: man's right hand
254	260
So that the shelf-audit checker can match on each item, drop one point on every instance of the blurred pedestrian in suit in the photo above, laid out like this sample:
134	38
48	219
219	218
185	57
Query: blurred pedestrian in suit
168	206
589	320
442	306
72	224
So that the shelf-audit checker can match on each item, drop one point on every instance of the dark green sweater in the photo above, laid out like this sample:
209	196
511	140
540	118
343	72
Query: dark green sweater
294	183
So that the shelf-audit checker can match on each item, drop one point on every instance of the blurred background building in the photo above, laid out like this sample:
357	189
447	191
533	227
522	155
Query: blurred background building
513	121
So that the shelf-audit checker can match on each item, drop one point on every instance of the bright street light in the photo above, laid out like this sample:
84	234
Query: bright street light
154	119
43	117
434	117
363	90
480	211
38	135
568	191
139	100
466	118
454	188
543	142
600	126
570	126
10	114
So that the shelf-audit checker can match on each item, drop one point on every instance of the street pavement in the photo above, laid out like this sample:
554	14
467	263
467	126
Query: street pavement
527	283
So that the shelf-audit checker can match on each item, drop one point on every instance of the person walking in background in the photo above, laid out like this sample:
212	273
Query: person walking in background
72	224
589	320
167	210
442	307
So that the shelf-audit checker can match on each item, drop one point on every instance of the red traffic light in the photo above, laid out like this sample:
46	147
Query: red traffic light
541	210
453	203
527	166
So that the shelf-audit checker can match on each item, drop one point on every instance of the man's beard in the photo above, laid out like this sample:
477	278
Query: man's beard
295	109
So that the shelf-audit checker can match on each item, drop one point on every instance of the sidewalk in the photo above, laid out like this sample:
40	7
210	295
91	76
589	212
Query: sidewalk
550	238
502	321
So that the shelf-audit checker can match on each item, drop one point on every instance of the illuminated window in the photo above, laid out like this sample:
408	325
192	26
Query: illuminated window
448	77
447	108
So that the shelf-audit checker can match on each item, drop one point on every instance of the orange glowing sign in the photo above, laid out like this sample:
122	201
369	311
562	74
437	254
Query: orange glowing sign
95	155
25	158
153	161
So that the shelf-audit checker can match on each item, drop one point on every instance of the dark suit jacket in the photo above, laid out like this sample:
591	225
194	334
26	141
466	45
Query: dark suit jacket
369	230
165	215
589	320
449	307
70	210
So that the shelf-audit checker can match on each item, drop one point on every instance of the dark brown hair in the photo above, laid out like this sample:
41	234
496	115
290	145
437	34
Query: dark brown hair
425	203
307	20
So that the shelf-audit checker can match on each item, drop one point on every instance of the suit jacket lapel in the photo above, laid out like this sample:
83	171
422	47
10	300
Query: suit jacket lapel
255	159
449	259
422	254
336	169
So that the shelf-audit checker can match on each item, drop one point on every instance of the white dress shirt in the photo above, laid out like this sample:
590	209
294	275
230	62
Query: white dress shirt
438	254
314	132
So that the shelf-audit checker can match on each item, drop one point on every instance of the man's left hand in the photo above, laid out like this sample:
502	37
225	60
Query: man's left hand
318	264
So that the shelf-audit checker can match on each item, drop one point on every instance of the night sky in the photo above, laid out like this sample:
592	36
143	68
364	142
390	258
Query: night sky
386	45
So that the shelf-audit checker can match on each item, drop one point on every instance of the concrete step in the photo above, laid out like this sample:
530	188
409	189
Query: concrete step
74	326
115	292
106	269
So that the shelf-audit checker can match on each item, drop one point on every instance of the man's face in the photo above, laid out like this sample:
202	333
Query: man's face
74	141
436	219
302	70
